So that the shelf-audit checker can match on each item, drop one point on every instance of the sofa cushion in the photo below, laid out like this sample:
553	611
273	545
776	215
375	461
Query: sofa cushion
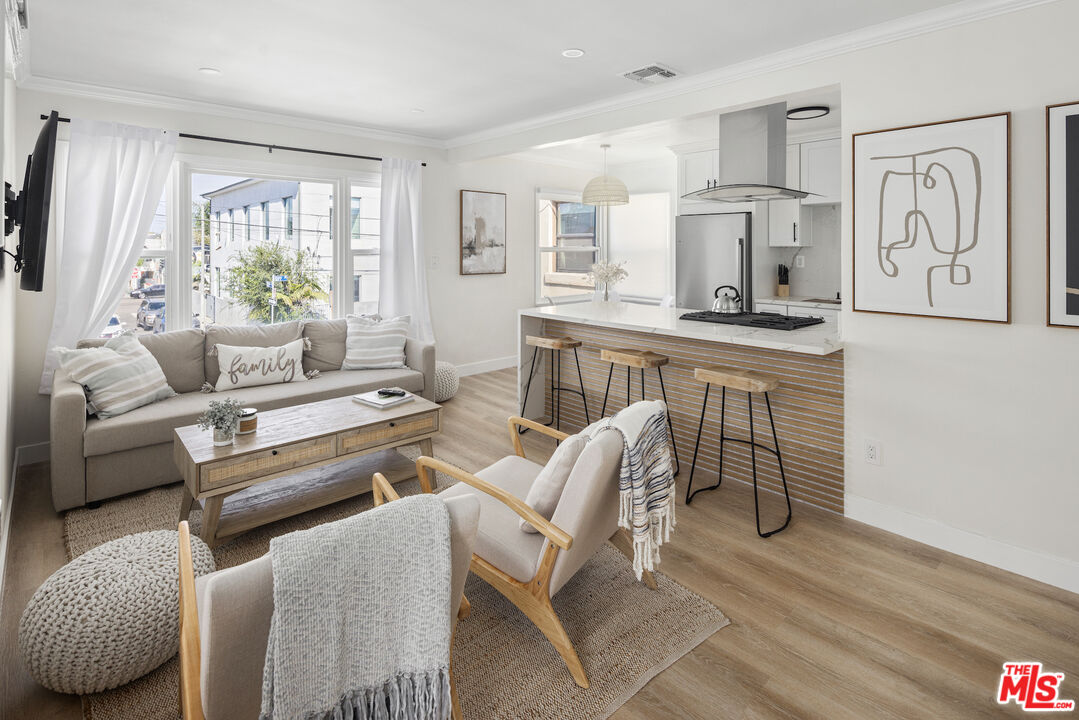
246	336
327	338
375	343
178	352
119	377
154	424
499	539
251	366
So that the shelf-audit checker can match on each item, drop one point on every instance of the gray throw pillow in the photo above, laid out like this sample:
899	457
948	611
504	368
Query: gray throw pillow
119	376
547	488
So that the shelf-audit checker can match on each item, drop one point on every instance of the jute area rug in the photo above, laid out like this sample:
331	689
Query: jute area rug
624	633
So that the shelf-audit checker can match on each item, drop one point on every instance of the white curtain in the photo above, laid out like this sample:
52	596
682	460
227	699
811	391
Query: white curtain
115	177
402	283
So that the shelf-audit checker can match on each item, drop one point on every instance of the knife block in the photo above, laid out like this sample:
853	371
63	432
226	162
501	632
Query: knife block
783	290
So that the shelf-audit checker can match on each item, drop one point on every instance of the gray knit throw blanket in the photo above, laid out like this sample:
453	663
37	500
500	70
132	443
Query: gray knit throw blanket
361	621
646	481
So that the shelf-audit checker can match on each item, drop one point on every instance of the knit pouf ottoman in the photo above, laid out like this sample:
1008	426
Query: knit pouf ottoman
108	616
447	381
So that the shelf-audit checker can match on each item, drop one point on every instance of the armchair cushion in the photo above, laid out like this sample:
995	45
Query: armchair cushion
547	488
499	539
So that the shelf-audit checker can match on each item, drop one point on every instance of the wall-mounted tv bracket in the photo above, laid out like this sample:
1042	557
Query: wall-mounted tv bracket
14	214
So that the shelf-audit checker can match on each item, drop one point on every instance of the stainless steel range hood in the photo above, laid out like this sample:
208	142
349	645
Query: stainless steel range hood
752	158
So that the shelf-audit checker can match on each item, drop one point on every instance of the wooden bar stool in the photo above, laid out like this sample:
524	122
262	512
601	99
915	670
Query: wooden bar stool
750	382
556	346
642	359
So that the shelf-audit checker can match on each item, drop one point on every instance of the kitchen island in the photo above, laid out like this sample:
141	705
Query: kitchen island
808	405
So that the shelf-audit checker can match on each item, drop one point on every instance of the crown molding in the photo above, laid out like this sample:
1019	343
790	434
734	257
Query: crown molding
167	102
959	13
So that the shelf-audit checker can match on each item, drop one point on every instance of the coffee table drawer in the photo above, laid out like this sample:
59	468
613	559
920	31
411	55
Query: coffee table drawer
384	433
266	462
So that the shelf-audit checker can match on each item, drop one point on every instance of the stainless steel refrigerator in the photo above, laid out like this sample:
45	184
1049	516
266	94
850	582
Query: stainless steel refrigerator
713	250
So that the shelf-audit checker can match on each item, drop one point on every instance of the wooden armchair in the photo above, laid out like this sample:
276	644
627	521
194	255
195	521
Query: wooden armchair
225	621
529	569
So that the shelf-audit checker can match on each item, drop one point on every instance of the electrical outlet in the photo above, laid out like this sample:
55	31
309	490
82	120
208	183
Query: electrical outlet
434	262
799	262
873	451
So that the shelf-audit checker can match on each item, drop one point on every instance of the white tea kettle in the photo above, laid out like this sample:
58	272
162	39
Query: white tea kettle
727	304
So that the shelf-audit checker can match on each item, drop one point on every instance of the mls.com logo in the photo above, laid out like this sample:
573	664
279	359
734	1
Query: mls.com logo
1031	689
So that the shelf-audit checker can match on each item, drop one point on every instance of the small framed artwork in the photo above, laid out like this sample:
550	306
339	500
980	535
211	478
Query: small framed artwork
483	232
932	219
1062	214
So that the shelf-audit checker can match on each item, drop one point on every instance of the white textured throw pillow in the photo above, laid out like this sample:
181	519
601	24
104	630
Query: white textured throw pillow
250	366
375	343
547	488
119	376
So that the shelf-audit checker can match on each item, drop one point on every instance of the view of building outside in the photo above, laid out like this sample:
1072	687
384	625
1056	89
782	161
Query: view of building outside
365	212
568	247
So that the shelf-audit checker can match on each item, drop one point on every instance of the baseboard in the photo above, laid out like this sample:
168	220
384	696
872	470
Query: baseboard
30	454
487	365
1051	569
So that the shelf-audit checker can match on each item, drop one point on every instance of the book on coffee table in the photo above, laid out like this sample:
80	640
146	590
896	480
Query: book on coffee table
373	399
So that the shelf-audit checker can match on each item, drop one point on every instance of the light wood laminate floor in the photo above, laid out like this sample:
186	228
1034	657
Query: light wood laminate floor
830	619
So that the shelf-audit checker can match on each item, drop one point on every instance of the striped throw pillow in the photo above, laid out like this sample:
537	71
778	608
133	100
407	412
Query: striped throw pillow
375	343
119	376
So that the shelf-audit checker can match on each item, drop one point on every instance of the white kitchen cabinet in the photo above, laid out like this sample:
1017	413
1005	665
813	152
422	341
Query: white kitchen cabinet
820	171
788	224
764	307
698	170
794	163
831	317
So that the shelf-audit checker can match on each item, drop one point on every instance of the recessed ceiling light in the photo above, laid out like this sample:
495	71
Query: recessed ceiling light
573	53
209	71
417	110
809	112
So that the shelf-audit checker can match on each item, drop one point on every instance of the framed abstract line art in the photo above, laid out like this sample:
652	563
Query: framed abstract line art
932	218
1062	214
483	232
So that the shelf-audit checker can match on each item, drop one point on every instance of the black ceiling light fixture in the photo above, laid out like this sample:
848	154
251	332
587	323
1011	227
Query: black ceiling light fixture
808	112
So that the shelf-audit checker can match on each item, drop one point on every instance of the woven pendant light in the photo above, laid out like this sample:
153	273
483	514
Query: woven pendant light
605	190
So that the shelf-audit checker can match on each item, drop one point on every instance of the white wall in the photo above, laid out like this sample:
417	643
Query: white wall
977	421
8	282
473	316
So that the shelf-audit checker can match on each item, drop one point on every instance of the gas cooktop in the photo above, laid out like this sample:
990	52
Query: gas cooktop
772	321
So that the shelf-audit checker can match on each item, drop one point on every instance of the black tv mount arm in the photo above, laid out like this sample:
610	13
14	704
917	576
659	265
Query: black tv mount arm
14	214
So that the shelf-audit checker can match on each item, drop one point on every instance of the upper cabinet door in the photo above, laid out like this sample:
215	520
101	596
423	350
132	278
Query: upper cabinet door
821	172
794	174
699	170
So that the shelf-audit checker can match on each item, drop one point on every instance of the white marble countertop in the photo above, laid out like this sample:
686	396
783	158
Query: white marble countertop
800	302
815	340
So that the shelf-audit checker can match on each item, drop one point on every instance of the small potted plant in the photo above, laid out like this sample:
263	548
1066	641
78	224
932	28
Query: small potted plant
222	417
608	273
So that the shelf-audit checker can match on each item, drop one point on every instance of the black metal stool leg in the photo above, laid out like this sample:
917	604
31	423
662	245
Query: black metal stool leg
606	392
693	467
556	390
629	383
674	447
528	386
642	383
580	378
782	475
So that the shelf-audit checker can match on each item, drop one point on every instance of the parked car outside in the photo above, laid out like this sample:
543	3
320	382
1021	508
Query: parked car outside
148	312
150	291
114	328
159	326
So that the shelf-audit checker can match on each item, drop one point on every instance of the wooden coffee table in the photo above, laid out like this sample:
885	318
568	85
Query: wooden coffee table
300	458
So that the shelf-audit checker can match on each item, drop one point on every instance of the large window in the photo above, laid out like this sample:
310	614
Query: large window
571	236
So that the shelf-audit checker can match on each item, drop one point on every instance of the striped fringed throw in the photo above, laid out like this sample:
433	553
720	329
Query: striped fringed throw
646	481
361	621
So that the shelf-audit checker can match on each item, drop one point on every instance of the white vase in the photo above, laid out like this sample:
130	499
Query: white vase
223	437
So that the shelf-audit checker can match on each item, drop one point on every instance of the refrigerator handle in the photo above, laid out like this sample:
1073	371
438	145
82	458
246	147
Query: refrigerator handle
742	270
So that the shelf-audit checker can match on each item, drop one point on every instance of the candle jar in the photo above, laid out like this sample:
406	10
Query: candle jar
249	421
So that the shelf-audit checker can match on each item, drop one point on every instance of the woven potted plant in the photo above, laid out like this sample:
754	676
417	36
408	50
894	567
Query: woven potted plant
223	417
608	273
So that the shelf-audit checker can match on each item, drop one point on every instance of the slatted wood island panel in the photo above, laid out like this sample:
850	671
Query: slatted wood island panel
808	405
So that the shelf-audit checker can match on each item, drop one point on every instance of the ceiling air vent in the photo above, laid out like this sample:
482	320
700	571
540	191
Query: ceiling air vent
651	74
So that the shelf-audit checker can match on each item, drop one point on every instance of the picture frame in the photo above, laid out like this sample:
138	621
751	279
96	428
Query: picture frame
1062	215
931	219
483	233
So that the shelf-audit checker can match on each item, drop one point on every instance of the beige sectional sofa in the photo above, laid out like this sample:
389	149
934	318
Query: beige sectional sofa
95	459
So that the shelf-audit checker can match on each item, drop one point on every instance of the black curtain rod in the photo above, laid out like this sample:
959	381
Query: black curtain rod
269	147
